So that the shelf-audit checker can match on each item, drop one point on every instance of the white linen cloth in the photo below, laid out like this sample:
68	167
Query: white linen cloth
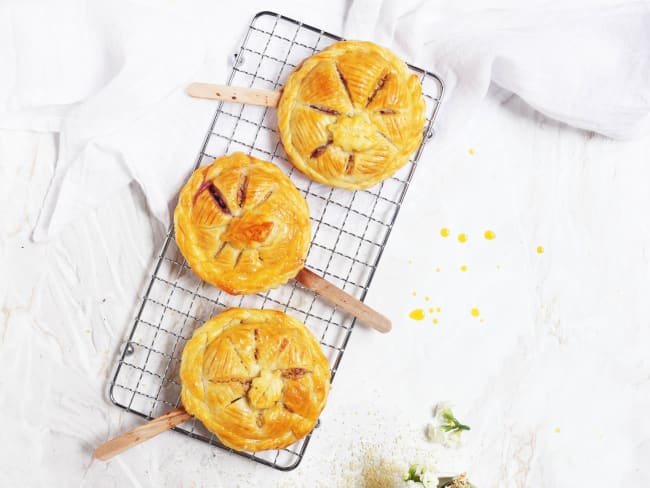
110	78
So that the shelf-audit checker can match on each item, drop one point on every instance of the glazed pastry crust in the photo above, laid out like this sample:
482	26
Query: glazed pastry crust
351	115
257	379
242	225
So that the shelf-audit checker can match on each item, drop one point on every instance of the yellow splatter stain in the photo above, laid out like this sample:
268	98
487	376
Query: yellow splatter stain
438	309
417	314
481	320
444	232
557	430
437	270
463	268
540	249
498	266
414	294
431	310
435	321
489	235
462	237
475	312
471	151
426	299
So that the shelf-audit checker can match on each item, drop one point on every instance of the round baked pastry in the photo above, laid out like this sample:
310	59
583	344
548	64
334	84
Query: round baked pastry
351	115
257	379
242	225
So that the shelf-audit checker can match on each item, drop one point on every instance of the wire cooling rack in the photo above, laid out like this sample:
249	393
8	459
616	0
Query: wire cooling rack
349	232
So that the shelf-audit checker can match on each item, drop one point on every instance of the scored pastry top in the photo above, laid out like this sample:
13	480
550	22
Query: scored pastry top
242	225
258	379
351	115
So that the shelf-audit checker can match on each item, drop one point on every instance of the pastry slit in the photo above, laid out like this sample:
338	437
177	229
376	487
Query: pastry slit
239	356
260	419
387	111
218	197
265	198
379	86
236	399
221	247
241	192
221	381
295	373
344	83
387	139
325	110
349	165
320	150
255	337
238	258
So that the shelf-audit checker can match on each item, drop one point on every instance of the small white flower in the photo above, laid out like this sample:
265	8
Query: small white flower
429	479
436	434
442	412
454	439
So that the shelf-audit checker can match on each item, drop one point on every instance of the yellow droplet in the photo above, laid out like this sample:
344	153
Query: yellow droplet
471	151
438	309
431	310
540	249
444	232
435	321
489	235
417	314
475	312
414	293
437	270
462	237
557	430
463	268
426	299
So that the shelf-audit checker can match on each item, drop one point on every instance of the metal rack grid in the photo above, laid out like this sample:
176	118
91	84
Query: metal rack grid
349	232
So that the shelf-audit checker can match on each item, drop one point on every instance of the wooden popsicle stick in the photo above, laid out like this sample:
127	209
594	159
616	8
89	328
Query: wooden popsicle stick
142	433
236	94
347	302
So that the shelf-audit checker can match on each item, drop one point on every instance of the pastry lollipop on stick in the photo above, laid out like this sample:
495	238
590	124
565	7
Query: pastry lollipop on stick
244	227
348	116
257	379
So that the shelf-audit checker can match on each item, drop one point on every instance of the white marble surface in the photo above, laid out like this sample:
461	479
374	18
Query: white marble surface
555	382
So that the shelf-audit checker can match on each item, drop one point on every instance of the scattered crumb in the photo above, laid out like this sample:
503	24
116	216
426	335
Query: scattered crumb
444	232
463	268
540	249
430	310
489	235
462	237
437	270
417	314
438	309
435	321
414	294
426	299
471	151
475	312
557	430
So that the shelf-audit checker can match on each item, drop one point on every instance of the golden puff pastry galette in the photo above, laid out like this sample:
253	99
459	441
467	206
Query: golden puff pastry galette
242	225
257	379
351	115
